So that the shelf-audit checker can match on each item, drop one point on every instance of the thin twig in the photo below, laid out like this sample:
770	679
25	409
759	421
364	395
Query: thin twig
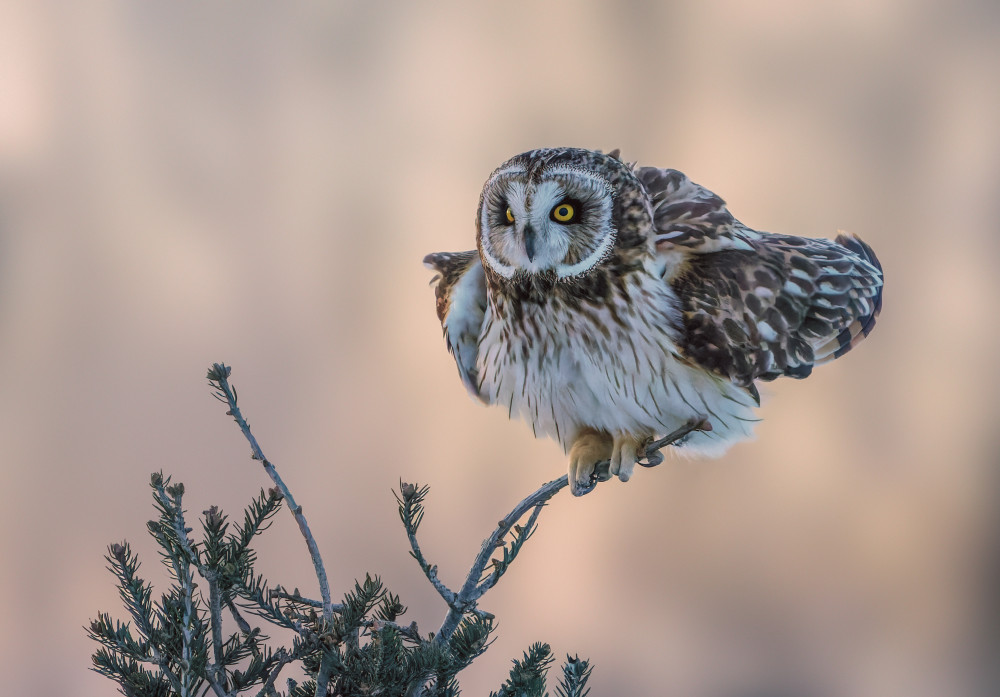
472	589
268	686
463	602
409	631
431	572
492	579
653	455
411	512
296	598
219	375
240	621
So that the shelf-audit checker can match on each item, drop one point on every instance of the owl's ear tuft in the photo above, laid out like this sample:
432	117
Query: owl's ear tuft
616	153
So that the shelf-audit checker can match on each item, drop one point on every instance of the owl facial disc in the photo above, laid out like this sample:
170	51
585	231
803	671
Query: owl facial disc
556	220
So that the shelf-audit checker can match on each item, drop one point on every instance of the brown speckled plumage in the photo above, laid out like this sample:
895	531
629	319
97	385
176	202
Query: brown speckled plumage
652	304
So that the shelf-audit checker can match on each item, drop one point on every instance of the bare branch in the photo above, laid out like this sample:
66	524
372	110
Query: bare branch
653	455
432	576
473	589
219	378
467	596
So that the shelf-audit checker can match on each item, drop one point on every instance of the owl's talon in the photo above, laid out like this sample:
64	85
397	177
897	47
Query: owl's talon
626	451
655	458
589	449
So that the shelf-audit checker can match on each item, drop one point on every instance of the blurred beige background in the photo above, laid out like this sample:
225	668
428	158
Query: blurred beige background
257	184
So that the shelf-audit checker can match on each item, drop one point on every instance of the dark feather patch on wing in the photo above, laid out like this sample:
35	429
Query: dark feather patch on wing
685	213
780	308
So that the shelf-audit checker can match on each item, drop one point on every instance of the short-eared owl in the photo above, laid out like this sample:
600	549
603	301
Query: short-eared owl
606	304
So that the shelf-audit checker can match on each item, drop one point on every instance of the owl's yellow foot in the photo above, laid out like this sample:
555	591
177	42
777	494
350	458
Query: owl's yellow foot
589	448
626	451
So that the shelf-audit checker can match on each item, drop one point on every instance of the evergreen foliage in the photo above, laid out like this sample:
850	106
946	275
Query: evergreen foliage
206	633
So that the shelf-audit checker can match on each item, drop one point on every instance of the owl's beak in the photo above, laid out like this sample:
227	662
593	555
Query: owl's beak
529	241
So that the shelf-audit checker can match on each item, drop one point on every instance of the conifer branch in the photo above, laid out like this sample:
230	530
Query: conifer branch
353	647
215	614
409	631
324	673
238	618
527	677
411	511
475	586
471	592
218	377
576	673
284	659
296	597
173	531
161	661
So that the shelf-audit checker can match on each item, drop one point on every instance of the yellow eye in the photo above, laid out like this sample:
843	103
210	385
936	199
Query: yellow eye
563	213
510	215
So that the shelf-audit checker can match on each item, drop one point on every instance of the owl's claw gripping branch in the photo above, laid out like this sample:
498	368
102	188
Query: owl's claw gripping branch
653	454
583	477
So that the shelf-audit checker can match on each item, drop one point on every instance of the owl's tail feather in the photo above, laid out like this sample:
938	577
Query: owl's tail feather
862	325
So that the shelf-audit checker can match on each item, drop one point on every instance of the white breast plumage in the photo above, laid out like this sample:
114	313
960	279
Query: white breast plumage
563	369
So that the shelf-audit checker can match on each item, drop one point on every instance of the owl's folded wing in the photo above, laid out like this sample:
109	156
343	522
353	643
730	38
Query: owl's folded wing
460	289
758	305
779	309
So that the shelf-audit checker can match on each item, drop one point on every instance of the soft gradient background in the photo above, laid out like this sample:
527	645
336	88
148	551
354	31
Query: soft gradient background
257	184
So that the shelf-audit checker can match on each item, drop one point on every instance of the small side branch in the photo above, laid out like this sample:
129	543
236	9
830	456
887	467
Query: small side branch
238	618
475	585
268	687
218	377
411	511
409	631
296	597
471	590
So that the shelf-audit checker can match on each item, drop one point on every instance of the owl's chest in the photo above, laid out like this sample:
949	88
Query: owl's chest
562	362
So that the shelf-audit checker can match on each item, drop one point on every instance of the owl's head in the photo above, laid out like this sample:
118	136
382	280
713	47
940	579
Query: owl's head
551	212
